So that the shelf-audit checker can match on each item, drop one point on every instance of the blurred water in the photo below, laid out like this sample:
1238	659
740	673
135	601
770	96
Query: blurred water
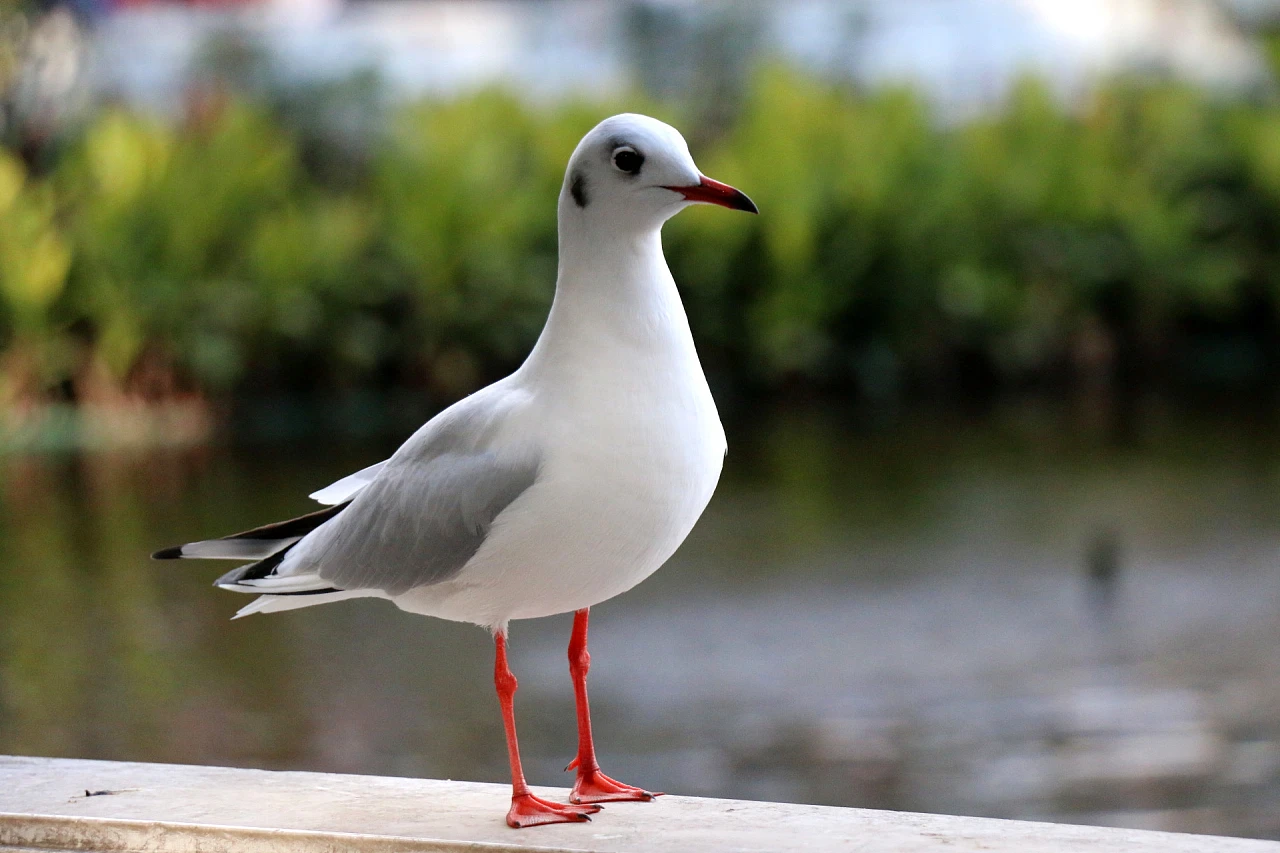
1029	613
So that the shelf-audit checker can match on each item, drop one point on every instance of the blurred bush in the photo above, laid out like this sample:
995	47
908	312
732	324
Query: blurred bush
1131	237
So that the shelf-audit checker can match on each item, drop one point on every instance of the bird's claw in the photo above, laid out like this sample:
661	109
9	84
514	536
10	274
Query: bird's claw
596	787
529	810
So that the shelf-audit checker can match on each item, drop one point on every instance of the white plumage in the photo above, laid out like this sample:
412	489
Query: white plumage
569	481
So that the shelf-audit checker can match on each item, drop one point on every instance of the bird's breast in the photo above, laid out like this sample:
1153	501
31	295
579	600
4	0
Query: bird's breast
630	448
620	486
649	454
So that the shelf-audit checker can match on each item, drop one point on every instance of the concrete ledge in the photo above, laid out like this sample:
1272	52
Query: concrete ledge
161	808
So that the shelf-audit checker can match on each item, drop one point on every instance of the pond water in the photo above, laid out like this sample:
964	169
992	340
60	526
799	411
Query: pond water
1026	613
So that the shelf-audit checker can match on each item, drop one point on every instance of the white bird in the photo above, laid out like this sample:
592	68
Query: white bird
556	488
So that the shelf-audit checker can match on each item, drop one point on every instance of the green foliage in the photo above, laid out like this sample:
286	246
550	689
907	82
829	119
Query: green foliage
888	243
33	254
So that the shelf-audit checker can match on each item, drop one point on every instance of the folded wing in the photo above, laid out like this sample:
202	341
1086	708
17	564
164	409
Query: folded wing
418	523
415	519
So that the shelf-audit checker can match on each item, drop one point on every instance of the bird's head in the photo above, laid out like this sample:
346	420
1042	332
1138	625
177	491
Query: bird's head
636	169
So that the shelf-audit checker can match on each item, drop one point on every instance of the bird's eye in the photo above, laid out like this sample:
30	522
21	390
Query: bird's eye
627	159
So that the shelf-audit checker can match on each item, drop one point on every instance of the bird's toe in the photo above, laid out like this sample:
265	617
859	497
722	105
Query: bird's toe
529	810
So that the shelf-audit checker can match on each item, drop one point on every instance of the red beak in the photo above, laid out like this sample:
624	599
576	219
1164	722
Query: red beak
714	192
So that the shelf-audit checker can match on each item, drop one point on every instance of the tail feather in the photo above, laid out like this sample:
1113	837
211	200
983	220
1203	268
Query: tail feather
227	549
267	547
257	544
275	603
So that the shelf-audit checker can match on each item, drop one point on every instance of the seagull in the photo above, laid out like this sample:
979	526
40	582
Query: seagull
549	491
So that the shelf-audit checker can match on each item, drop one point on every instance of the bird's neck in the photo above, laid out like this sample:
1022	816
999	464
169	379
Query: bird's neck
614	294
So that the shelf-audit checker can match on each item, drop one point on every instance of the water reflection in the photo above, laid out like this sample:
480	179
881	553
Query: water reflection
1007	615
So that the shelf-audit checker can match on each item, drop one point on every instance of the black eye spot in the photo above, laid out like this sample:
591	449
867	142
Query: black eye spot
627	159
578	189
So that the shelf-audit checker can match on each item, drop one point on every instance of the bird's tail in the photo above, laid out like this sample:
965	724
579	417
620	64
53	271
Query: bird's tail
276	603
267	546
260	543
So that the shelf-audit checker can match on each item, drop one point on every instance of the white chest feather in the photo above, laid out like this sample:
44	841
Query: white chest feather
630	445
619	489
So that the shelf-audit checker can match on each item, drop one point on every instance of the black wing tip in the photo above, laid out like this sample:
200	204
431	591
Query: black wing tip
293	527
325	591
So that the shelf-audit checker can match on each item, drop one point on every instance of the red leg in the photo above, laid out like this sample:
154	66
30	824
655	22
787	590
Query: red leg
592	785
526	809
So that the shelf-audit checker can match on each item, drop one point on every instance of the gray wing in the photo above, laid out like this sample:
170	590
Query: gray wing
428	509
